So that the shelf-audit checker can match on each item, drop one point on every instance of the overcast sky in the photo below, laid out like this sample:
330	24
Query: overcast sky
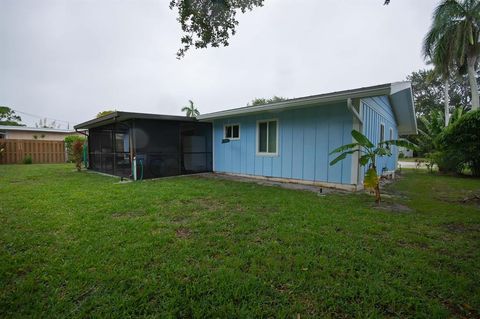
69	59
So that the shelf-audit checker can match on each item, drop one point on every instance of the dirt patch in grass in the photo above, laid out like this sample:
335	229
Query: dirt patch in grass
474	199
414	245
468	198
178	219
183	232
208	204
461	228
461	311
393	208
127	215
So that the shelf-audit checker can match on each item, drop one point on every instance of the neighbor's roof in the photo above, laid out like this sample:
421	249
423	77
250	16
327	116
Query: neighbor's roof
400	94
119	116
34	129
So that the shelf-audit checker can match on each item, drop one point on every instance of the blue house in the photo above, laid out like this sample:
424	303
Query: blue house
291	140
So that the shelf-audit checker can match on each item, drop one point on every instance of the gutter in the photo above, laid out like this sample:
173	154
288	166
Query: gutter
83	133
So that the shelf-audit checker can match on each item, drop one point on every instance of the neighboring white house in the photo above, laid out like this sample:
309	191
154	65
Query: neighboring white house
406	152
33	133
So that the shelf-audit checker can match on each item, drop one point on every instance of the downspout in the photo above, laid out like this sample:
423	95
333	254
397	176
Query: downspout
355	157
352	109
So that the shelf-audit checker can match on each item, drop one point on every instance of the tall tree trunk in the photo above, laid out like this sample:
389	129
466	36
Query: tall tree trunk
446	98
473	82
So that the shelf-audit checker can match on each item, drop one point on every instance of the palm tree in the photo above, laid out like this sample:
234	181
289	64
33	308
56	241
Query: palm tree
191	110
454	39
442	70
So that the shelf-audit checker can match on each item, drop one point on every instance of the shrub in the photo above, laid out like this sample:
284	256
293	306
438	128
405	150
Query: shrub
401	155
28	159
461	141
69	140
77	153
447	161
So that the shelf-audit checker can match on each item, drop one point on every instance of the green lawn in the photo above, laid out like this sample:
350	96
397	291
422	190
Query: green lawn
83	245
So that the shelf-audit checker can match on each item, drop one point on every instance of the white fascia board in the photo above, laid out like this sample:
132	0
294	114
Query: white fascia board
400	86
301	102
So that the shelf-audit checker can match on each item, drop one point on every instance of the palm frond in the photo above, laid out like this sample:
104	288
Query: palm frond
453	35
362	139
344	148
341	157
382	151
402	143
364	159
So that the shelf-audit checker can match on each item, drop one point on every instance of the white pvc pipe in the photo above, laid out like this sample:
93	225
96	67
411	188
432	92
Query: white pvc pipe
134	168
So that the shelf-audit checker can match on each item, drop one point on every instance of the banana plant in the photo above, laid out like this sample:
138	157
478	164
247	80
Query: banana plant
368	154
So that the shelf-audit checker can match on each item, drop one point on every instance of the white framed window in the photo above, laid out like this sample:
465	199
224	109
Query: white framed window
267	137
382	132
391	134
231	131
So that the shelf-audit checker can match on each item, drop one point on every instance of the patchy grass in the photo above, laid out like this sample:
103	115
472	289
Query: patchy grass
83	245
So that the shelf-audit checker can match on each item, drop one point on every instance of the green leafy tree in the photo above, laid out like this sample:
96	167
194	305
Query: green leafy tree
8	117
429	92
190	110
262	101
462	140
368	153
103	113
210	22
453	40
430	127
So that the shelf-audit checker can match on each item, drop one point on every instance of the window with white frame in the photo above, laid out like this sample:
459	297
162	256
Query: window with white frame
267	137
391	134
232	131
382	132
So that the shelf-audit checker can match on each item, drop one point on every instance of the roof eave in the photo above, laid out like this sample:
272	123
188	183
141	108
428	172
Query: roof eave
124	116
407	122
96	121
300	102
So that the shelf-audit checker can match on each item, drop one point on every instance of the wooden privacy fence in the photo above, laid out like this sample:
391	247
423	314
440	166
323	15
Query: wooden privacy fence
15	151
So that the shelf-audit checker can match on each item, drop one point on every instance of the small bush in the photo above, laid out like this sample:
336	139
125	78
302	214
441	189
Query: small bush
447	161
401	155
28	160
77	153
69	140
461	142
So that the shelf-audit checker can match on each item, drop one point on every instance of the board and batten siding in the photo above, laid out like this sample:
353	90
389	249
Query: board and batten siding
377	111
306	136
